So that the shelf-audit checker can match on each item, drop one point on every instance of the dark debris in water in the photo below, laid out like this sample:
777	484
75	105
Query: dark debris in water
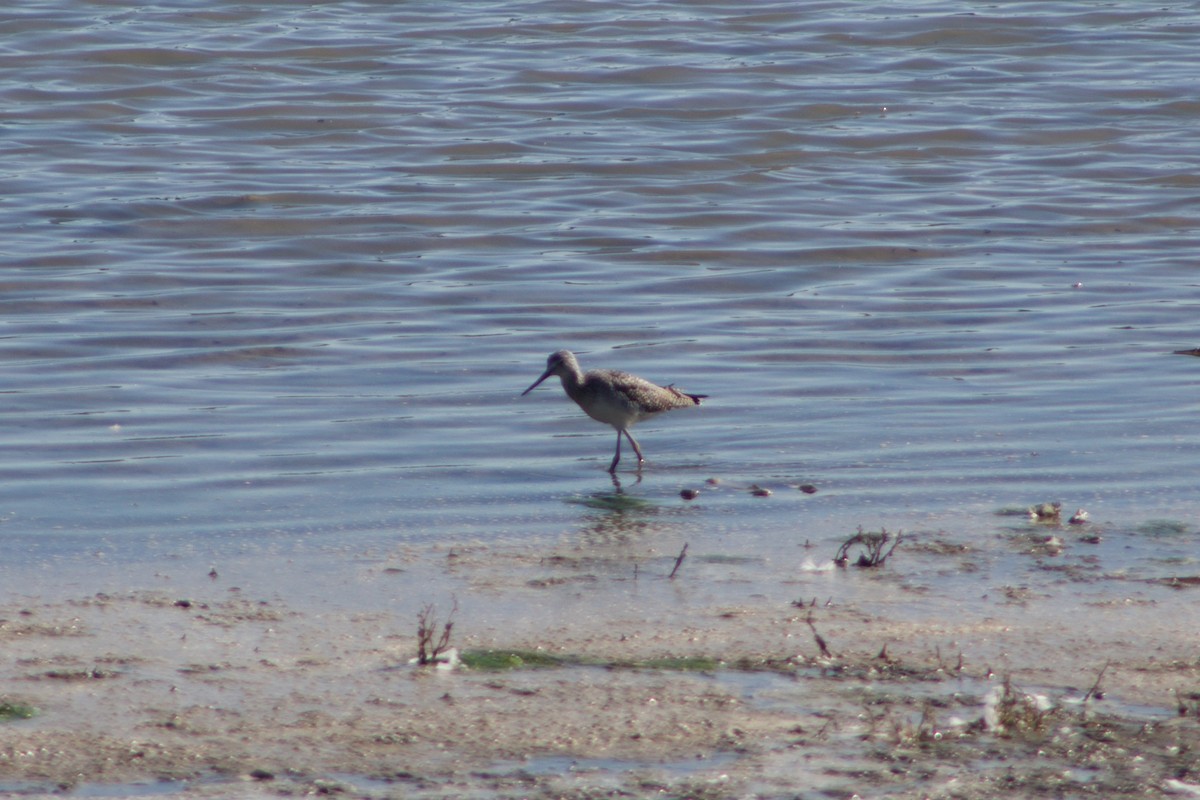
90	674
754	489
1178	582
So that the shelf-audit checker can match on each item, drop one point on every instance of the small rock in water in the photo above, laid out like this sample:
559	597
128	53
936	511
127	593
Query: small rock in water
1050	546
808	488
1079	517
689	494
759	491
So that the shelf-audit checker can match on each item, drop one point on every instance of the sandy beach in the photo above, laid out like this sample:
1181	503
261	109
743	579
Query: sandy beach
621	682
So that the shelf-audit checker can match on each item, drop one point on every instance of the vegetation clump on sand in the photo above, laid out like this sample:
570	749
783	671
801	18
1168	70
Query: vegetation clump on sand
11	709
875	549
433	647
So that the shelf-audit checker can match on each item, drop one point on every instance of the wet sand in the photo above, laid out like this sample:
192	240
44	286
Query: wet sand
673	690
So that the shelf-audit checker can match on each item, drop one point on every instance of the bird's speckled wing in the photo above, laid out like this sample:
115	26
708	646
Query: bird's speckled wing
621	398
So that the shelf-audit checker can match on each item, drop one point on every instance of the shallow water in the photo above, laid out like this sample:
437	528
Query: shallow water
275	275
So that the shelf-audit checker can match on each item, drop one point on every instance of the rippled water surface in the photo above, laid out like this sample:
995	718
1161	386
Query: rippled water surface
282	270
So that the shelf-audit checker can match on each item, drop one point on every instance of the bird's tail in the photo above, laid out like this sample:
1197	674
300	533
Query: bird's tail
695	398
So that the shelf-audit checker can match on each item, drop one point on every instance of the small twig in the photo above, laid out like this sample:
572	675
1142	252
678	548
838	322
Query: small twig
678	561
1180	704
820	642
1096	691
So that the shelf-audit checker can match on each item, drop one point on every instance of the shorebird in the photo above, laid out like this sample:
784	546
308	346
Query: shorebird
614	398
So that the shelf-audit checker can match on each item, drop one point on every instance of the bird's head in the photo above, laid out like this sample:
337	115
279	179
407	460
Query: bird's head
561	362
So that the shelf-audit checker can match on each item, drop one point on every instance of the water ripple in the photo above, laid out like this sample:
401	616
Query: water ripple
287	266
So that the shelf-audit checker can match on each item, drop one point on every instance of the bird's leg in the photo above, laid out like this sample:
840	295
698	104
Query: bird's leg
636	449
616	458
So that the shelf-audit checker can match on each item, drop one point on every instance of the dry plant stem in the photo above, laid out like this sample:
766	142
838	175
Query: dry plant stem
1018	713
427	628
1181	705
820	642
1096	691
678	561
873	545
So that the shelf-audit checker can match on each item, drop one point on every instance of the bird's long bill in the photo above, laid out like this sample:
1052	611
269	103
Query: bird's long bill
545	375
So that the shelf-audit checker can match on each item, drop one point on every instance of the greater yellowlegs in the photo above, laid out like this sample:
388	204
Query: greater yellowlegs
614	398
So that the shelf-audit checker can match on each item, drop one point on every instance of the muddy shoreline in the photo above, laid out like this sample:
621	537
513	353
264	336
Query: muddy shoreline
678	689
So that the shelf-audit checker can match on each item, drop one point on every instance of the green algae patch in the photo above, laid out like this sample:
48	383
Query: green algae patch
680	664
501	660
498	660
10	711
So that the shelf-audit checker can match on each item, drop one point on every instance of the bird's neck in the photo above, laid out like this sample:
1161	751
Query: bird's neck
572	383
